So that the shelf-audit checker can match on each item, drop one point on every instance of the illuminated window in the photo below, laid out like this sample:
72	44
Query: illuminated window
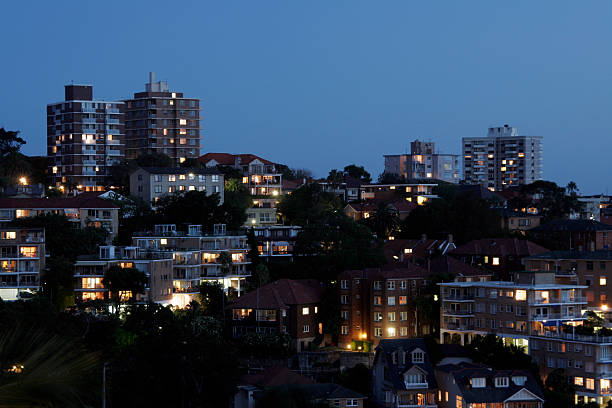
183	122
495	261
181	160
486	259
191	188
8	235
182	141
182	177
407	250
182	131
305	311
54	169
602	281
22	213
391	331
28	252
521	294
172	177
590	384
403	300
163	241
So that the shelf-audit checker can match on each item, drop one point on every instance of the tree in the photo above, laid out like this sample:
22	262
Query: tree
390	178
384	221
213	299
571	188
335	176
558	391
358	172
236	201
10	142
307	205
548	198
117	279
191	207
225	259
154	160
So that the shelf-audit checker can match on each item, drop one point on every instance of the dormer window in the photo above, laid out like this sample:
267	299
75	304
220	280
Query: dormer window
519	380
478	382
501	382
418	357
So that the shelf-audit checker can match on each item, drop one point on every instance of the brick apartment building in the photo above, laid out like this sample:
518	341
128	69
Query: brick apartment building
284	306
377	304
163	122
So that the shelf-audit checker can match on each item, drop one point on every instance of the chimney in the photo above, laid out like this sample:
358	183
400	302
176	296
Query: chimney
450	238
151	77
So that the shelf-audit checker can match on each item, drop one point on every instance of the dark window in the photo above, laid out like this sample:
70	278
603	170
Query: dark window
589	265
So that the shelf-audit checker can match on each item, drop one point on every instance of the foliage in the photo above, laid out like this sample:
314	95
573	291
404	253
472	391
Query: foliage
258	278
117	279
285	397
390	178
265	344
358	172
558	391
384	221
10	142
236	201
466	216
154	160
213	299
191	207
492	351
293	174
307	205
549	199
593	320
230	172
357	379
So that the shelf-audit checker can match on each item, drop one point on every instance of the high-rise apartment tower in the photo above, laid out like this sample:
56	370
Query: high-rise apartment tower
84	139
502	159
160	121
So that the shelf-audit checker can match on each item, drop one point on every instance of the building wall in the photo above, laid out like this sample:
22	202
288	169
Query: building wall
22	262
84	139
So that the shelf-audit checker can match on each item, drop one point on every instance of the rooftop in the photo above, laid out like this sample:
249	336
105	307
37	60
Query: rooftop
180	170
600	255
79	201
281	294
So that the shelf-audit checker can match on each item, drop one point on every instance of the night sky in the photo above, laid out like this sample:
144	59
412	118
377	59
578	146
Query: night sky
322	84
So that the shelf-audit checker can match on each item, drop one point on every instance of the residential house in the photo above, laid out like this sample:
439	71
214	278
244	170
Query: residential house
500	255
283	306
89	272
152	183
367	209
469	385
22	262
418	193
83	210
403	375
276	242
518	221
376	304
260	176
196	258
417	251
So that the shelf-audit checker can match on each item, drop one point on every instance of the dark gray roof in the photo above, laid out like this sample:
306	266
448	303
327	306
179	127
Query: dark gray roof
564	225
600	255
396	371
463	372
181	170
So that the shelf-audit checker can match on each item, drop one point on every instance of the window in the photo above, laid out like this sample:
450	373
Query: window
316	309
403	316
403	300
266	315
182	177
391	331
352	403
391	300
377	316
378	332
477	382
390	285
579	381
459	402
521	295
495	261
519	380
306	328
344	330
391	316
344	314
172	177
378	300
501	382
403	331
377	285
215	178
602	281
8	235
418	357
590	384
158	189
28	252
589	265
305	311
344	299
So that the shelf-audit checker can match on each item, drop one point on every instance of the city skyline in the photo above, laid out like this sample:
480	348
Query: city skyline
355	80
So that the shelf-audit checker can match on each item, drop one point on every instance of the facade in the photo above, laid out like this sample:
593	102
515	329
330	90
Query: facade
424	163
163	122
418	193
477	386
576	235
502	159
377	304
152	183
592	269
531	305
259	175
196	258
360	211
276	242
284	306
85	137
403	375
84	210
22	261
502	256
417	251
517	220
262	213
89	272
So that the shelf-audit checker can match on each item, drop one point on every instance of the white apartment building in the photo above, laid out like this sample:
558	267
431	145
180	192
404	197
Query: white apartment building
424	163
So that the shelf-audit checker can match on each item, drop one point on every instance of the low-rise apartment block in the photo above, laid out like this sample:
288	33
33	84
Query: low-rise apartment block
84	210
377	304
89	273
152	183
197	258
576	235
22	261
424	163
284	306
418	193
276	241
259	175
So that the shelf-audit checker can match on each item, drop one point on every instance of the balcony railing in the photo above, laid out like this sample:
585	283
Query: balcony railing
453	326
556	316
555	299
458	297
459	312
577	337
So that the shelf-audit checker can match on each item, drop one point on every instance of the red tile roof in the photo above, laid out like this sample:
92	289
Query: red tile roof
501	247
281	294
79	201
446	264
228	159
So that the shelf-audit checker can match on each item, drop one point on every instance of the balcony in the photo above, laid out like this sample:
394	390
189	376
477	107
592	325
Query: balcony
402	405
458	312
559	300
458	327
416	385
556	316
455	297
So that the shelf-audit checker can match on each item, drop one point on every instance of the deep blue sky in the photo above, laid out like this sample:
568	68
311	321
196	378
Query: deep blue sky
322	84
